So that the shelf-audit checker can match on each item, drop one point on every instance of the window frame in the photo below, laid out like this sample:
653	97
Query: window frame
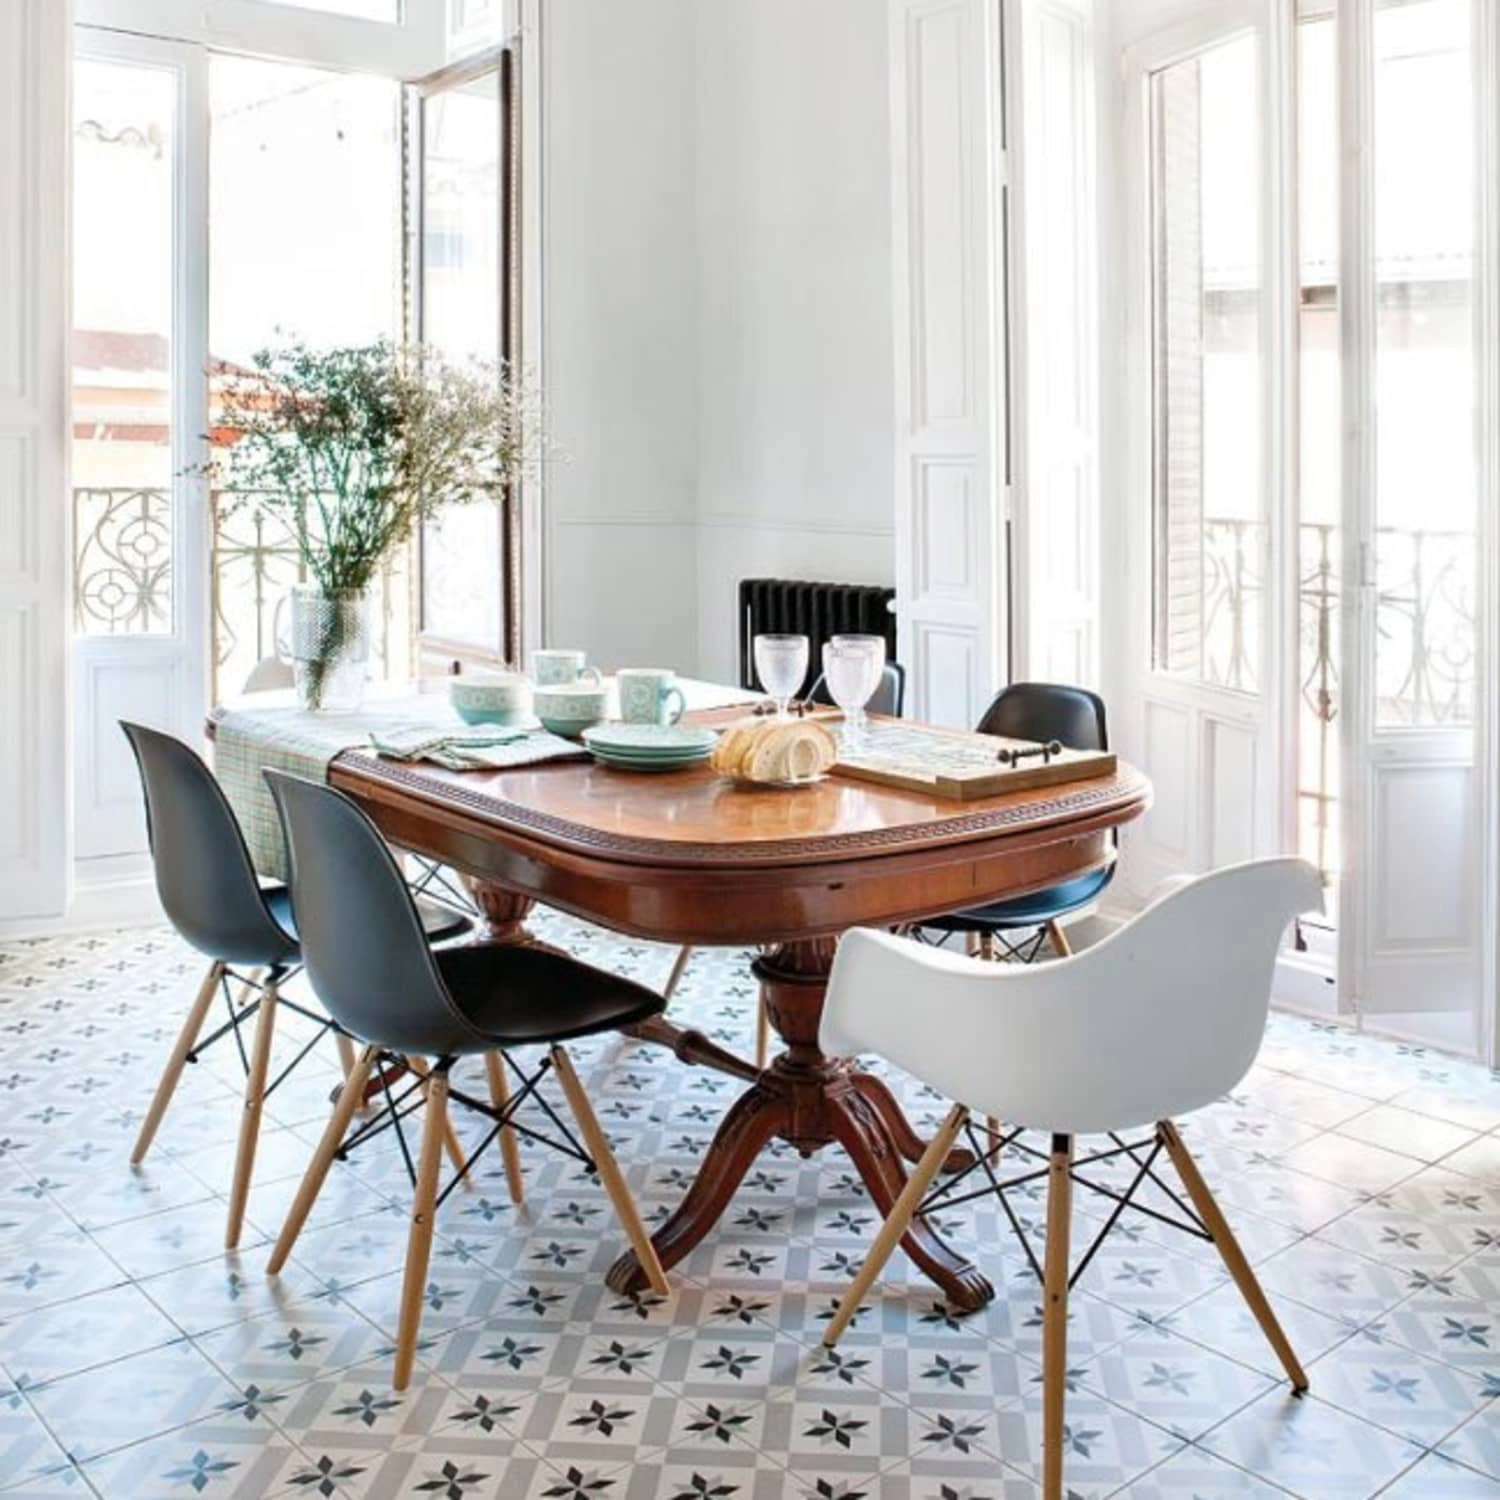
404	49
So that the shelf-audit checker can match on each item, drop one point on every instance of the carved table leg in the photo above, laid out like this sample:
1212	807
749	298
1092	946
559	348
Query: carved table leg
810	1100
877	1092
863	1133
504	911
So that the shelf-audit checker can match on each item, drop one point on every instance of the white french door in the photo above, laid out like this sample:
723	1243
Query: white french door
222	203
1416	658
1314	320
1202	710
138	412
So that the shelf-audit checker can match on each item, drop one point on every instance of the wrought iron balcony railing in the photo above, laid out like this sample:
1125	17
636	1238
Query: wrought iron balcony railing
1424	641
123	579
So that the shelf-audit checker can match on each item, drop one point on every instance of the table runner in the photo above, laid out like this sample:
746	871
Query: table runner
283	738
252	735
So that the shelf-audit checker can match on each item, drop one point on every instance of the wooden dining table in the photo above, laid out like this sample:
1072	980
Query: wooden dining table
689	857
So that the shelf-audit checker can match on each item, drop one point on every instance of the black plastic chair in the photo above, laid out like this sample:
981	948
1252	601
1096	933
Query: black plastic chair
363	947
212	896
1036	711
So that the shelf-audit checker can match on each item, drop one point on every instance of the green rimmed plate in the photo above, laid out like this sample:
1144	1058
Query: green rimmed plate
650	741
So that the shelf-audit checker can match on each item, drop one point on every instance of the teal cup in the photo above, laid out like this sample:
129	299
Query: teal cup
649	695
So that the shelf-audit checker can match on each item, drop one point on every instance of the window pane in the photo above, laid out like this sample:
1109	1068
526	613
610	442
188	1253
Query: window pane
1425	459
304	241
461	550
1209	526
124	131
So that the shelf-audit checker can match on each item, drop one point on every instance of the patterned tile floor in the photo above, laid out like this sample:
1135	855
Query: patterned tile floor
137	1360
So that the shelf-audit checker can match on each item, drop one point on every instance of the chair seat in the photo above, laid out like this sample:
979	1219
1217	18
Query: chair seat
439	922
1027	911
520	996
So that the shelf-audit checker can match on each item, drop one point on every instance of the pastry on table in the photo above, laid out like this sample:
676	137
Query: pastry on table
775	750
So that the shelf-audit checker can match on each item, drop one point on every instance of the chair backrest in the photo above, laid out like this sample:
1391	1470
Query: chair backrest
362	940
204	876
889	698
1161	1017
1048	711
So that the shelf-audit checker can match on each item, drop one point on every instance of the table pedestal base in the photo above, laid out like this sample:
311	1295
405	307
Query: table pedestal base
810	1100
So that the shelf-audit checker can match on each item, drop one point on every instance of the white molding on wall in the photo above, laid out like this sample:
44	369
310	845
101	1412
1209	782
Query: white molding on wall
731	521
35	594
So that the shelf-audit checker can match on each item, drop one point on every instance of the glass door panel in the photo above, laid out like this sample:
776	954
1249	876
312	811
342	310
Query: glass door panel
305	229
124	154
462	316
1425	453
1209	524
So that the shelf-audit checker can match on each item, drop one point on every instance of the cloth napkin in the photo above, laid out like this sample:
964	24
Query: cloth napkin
483	748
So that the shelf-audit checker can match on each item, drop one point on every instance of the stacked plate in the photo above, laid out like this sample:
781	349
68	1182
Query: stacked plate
649	747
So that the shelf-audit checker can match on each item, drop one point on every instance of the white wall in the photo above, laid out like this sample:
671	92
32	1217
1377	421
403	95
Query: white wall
620	328
796	398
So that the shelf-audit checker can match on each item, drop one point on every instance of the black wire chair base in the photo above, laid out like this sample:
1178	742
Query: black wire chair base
247	1012
1026	951
438	883
1142	1154
399	1104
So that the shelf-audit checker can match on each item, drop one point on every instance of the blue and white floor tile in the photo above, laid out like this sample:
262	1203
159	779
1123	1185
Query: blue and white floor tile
138	1360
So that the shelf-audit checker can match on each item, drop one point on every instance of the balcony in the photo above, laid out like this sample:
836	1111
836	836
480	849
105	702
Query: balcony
123	580
1424	631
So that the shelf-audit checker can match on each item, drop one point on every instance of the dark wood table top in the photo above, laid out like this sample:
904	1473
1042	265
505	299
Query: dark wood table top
554	831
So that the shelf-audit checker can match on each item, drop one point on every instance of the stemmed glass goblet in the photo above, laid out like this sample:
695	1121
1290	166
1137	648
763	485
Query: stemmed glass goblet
852	666
781	665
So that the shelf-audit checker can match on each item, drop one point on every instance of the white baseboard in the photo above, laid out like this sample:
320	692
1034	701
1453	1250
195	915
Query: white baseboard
118	891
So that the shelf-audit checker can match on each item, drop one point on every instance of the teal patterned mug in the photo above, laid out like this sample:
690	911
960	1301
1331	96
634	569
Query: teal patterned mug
649	695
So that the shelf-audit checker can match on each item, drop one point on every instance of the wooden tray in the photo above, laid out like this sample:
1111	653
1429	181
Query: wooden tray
950	763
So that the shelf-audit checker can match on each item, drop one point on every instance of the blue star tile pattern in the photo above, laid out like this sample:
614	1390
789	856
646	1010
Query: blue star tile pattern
137	1359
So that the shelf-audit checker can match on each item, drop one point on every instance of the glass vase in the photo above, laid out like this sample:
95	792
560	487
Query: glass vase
330	648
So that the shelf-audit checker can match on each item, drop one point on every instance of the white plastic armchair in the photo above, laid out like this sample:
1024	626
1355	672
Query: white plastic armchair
1160	1018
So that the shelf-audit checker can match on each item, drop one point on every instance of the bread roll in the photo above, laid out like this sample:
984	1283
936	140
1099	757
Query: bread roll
775	750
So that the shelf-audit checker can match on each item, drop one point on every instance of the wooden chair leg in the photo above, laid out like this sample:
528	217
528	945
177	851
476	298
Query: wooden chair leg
419	1240
347	1058
1055	1314
896	1222
762	1031
255	1098
510	1150
987	946
609	1171
992	1131
451	1143
684	955
1231	1254
167	1086
1059	940
349	1102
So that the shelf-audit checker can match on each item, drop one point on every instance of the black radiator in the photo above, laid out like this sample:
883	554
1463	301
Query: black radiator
799	606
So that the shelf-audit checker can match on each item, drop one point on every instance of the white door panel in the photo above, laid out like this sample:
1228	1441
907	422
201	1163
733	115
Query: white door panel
124	684
947	166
